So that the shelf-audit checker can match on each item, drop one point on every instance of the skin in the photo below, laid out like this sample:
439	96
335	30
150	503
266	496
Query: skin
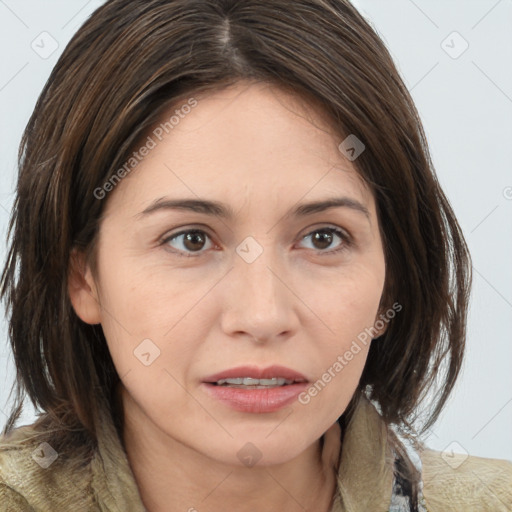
261	151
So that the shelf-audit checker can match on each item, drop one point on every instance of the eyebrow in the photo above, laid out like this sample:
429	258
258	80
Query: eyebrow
224	211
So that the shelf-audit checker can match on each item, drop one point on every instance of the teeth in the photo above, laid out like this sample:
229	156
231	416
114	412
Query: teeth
249	381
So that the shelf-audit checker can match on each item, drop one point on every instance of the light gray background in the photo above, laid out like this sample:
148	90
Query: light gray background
465	100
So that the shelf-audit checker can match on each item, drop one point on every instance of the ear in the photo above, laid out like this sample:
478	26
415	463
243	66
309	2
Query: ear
381	324
82	289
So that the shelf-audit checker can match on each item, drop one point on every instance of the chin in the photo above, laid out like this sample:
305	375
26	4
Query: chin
261	450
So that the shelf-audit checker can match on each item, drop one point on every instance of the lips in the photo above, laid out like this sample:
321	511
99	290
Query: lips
274	371
255	399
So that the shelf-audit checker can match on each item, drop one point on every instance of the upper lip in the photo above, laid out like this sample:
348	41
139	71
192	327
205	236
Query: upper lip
258	373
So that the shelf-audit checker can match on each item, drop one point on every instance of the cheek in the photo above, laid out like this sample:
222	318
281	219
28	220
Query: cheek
141	302
350	302
342	356
350	307
142	312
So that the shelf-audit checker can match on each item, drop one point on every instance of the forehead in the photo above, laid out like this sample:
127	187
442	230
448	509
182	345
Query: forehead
248	142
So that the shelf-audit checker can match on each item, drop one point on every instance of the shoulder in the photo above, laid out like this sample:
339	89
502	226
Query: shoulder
33	476
456	483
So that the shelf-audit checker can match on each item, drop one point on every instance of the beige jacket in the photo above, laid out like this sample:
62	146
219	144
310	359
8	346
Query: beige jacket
365	475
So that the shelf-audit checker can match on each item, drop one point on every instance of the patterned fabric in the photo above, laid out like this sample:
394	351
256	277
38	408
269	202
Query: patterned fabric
402	499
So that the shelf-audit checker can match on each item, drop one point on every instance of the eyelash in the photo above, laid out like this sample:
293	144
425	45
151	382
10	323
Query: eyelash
345	245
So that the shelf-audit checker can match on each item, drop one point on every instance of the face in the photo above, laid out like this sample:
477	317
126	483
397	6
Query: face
252	277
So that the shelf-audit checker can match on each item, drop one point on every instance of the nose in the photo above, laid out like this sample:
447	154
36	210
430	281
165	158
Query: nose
258	302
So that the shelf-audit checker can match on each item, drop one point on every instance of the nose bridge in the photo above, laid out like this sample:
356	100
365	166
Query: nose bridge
260	304
258	281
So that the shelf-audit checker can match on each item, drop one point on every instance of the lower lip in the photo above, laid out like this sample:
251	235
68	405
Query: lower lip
255	400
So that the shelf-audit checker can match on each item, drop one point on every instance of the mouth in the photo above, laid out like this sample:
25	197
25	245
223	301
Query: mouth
251	377
250	383
255	390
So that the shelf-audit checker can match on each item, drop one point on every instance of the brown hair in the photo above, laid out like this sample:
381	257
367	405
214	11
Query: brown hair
126	65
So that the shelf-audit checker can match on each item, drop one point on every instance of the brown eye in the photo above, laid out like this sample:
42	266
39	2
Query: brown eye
188	241
194	241
322	239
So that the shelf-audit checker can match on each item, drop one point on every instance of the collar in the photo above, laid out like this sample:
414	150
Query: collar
365	474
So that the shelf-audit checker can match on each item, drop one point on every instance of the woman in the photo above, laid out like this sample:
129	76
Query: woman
238	275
